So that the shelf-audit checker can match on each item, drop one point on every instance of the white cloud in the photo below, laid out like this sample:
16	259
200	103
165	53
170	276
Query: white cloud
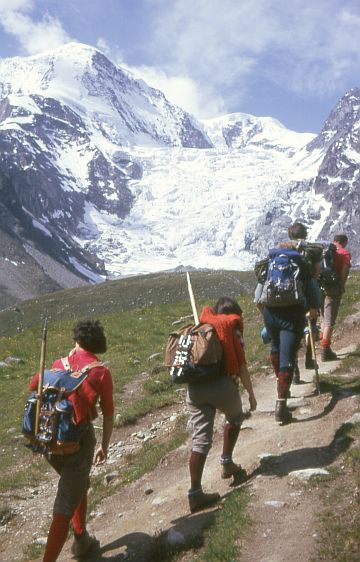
216	38
302	46
16	5
183	91
33	36
347	16
209	55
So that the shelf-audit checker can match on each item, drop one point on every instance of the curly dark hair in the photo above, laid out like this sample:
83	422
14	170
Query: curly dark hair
227	305
89	334
297	231
341	239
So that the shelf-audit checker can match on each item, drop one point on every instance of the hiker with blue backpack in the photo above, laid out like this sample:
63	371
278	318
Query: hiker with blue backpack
312	254
94	382
286	293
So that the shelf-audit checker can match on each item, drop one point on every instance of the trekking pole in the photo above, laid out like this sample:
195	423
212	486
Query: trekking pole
313	352
192	299
41	375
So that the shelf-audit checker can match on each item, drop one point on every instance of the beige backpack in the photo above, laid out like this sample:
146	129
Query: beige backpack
194	354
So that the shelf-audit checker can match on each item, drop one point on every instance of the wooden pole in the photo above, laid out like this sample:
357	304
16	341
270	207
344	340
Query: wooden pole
192	299
41	375
317	381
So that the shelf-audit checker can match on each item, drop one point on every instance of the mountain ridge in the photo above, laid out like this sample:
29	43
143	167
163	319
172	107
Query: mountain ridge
104	175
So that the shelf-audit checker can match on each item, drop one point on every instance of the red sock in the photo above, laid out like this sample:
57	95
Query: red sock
283	384
196	466
57	536
79	517
325	343
275	361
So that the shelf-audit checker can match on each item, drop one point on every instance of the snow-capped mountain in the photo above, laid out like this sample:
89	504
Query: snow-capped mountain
103	176
338	177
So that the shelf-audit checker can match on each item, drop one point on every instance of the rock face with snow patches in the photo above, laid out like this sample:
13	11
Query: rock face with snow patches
338	176
101	176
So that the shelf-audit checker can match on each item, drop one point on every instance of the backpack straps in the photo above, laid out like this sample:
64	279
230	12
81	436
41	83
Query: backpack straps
91	366
65	361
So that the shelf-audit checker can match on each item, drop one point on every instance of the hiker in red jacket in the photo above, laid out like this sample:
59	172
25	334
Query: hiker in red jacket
71	499
332	297
222	393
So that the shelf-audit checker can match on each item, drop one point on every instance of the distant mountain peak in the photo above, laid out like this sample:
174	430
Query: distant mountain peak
101	174
237	130
341	120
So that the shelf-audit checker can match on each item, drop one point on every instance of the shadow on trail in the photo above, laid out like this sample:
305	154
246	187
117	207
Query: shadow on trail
187	533
136	547
307	457
338	393
355	353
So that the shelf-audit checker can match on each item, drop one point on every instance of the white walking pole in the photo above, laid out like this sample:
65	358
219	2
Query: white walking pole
192	299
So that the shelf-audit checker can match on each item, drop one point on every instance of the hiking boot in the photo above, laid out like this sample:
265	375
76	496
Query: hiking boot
327	354
282	413
230	469
200	501
84	544
296	375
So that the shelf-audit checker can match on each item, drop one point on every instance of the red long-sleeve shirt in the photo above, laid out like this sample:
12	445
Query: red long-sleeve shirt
98	384
342	259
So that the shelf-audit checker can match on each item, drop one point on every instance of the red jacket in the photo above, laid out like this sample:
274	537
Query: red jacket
342	259
229	329
98	384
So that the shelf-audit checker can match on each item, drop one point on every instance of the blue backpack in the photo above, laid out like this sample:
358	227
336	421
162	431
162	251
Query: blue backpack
284	284
58	432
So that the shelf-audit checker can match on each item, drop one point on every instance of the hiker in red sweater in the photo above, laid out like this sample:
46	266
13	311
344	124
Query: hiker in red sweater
222	393
71	499
332	296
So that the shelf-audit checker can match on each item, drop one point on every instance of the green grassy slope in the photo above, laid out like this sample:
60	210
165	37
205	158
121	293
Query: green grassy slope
124	294
138	314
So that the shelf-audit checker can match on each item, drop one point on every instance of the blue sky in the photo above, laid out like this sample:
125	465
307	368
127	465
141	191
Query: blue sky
288	59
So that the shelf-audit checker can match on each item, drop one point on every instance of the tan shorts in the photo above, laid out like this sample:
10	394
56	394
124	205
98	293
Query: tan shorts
74	473
329	310
203	400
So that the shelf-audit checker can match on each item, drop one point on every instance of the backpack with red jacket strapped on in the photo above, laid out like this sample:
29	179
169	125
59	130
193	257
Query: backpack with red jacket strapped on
58	433
194	354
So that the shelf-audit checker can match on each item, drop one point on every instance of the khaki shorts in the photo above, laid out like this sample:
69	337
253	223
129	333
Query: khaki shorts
74	473
203	400
329	310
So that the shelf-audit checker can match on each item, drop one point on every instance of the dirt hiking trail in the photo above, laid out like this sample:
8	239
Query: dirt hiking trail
282	508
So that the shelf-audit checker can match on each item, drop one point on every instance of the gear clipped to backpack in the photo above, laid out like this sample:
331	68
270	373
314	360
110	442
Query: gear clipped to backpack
55	431
194	354
284	281
329	279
